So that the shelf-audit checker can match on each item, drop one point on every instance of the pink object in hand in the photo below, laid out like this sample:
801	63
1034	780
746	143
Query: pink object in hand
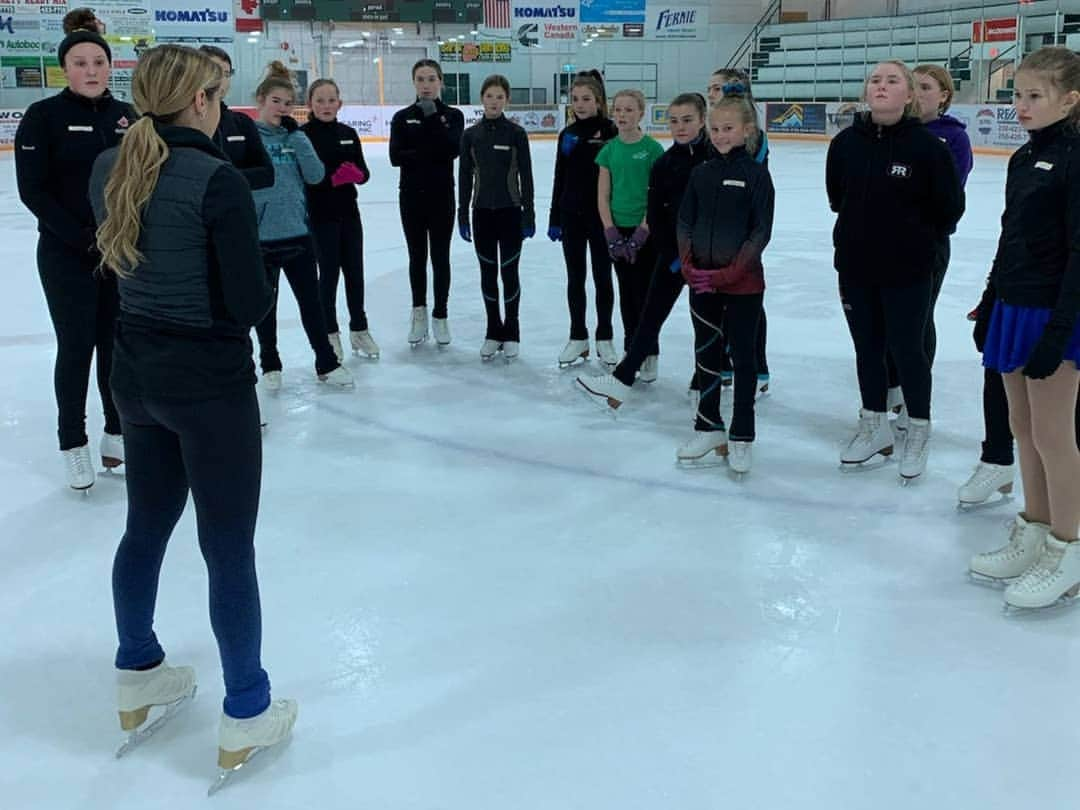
347	172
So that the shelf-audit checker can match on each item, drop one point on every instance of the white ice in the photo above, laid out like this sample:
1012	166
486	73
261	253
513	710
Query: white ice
485	593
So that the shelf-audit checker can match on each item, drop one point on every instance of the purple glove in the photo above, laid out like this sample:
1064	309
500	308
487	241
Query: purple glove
636	242
701	281
616	245
347	172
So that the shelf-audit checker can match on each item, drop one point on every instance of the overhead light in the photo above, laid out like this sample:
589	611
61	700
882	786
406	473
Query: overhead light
474	32
253	41
393	42
365	34
352	43
585	44
376	60
255	33
399	30
440	42
337	53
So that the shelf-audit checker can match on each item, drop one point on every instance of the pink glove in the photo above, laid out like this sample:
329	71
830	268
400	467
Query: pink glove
347	172
702	281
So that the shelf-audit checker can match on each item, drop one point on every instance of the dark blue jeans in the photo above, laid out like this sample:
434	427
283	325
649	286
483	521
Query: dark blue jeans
212	449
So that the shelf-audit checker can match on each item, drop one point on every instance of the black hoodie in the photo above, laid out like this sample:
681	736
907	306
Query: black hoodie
55	147
573	193
425	147
897	193
335	143
1038	256
667	183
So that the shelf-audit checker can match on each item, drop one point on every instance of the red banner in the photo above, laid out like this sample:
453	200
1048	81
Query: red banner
1002	29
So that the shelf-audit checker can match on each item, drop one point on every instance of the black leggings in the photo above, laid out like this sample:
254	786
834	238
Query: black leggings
634	280
83	305
211	449
428	216
297	258
890	320
664	290
497	239
580	236
998	447
339	245
937	279
762	359
740	315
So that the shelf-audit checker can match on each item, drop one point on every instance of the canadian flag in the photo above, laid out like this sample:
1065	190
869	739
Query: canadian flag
247	15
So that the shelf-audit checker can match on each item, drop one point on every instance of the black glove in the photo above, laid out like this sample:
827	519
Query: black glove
982	318
289	123
427	107
1047	354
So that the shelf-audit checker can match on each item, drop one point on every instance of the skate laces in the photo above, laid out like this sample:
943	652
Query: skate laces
78	463
983	475
1046	567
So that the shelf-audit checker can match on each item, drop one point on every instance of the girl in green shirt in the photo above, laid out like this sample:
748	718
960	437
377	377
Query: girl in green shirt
622	197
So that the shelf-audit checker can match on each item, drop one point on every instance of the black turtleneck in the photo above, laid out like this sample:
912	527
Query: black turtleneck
576	173
897	194
55	147
238	138
335	143
425	147
1038	257
667	184
496	169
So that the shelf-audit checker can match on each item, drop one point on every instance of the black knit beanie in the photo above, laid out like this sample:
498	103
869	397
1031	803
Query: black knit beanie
77	37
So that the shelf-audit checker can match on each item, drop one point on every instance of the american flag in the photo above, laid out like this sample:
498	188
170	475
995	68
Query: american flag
497	13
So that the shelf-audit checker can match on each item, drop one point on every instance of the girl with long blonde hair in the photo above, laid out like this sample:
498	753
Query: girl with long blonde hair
178	230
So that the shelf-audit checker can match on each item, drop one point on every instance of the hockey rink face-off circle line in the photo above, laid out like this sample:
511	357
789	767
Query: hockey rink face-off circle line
902	508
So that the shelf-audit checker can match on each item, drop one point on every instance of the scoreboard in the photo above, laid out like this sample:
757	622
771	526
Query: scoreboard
444	11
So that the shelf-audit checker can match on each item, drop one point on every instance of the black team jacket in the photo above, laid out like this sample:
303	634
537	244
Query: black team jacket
55	147
425	148
1038	256
897	195
573	193
238	139
335	143
496	169
668	180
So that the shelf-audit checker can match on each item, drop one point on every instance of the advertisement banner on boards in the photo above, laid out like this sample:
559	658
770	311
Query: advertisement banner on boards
545	120
804	118
612	12
195	22
991	125
676	20
537	21
9	122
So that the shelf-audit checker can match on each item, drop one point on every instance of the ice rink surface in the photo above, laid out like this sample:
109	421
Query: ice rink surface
485	593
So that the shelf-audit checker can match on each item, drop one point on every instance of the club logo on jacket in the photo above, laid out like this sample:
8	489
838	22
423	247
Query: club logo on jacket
900	170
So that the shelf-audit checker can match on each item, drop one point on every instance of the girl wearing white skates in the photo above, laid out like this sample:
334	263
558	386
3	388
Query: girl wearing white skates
1031	333
895	189
178	232
725	222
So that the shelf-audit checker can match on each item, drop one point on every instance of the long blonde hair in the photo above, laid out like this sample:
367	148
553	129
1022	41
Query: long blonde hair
911	109
163	85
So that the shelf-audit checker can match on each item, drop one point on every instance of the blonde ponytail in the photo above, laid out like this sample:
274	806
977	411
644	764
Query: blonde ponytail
163	85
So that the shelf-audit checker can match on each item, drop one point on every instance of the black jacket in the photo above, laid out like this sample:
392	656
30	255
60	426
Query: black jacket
425	148
55	147
335	143
725	220
573	193
668	180
238	139
187	309
897	193
495	169
1038	257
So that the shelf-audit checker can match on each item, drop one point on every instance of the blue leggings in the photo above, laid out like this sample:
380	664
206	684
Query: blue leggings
212	449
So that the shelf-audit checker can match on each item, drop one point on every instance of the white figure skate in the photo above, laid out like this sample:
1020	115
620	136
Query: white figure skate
1026	541
989	485
239	741
604	390
163	690
575	350
871	445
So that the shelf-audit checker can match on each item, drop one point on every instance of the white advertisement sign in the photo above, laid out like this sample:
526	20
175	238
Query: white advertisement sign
194	22
676	20
537	21
9	122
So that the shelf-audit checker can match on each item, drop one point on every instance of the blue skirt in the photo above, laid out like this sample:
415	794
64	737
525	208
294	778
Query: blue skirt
1014	331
